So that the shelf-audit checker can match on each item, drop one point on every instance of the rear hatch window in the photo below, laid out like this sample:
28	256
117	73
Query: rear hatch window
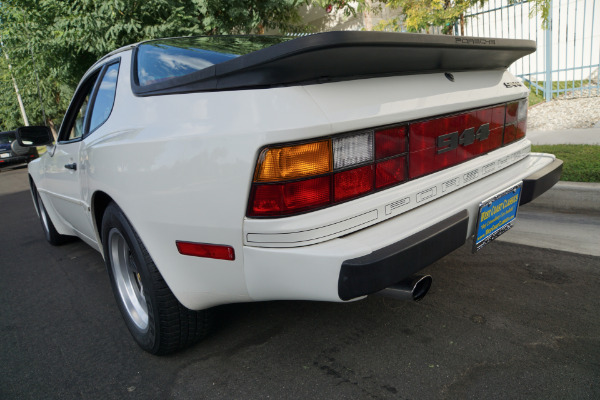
162	60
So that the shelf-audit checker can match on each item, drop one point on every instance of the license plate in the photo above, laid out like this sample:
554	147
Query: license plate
4	155
496	215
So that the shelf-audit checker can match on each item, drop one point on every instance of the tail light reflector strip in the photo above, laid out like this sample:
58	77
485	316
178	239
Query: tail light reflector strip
443	142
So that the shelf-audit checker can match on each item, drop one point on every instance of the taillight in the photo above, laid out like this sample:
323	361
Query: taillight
516	121
296	178
353	182
390	172
442	142
290	197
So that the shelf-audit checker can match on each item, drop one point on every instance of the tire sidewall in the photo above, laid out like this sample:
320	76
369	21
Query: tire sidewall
43	214
114	218
50	233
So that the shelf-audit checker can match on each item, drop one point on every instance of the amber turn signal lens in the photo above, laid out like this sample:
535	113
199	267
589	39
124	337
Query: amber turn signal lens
293	162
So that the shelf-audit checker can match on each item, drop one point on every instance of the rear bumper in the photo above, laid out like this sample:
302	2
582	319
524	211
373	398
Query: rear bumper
381	255
539	182
378	270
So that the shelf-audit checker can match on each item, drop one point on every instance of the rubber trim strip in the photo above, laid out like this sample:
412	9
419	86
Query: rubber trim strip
387	266
539	182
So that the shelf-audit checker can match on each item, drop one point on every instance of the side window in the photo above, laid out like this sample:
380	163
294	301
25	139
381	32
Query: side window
105	97
76	131
91	105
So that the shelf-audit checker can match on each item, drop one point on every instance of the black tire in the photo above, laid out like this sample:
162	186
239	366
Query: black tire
158	322
50	232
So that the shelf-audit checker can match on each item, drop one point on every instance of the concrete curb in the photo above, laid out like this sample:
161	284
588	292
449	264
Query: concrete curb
570	197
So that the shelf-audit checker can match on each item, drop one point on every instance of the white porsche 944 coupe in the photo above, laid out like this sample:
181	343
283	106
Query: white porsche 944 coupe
213	170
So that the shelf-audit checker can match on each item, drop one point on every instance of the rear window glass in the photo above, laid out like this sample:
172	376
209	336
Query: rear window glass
7	137
164	59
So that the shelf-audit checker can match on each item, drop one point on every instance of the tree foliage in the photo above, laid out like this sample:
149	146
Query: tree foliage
9	107
420	15
60	39
51	43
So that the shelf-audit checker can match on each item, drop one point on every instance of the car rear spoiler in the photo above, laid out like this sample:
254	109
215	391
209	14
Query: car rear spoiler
339	56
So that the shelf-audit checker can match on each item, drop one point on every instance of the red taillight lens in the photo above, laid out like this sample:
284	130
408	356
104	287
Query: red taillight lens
443	142
390	142
426	161
290	197
204	250
296	178
516	121
510	133
353	183
390	172
425	140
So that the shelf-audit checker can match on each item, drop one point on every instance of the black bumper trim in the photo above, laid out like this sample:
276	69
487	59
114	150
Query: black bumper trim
539	182
396	262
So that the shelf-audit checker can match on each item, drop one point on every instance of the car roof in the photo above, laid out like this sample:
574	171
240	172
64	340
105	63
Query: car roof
109	55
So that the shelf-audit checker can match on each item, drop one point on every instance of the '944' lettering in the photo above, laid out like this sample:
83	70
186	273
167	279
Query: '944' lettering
451	141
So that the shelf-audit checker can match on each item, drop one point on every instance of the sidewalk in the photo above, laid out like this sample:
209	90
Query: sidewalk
566	136
566	217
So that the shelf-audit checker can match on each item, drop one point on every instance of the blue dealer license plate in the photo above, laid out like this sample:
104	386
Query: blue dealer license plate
496	215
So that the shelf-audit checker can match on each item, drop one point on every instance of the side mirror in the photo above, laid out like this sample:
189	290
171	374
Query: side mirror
32	136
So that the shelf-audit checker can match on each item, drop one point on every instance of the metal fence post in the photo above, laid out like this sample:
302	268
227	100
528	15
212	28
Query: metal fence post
548	50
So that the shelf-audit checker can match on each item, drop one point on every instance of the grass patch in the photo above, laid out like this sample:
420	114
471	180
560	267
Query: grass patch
535	98
564	87
581	161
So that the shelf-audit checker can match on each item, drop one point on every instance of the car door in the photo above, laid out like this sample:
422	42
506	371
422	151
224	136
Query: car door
66	170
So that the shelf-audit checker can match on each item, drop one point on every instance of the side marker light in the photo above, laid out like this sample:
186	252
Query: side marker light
204	250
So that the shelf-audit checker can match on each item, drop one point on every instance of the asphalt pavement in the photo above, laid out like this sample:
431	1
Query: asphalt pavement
512	321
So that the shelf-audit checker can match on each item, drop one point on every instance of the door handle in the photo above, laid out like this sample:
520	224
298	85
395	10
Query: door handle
72	166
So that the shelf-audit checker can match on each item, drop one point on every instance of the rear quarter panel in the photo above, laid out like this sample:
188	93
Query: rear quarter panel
180	166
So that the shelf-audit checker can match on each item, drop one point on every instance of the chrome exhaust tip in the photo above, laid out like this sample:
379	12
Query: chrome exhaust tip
414	288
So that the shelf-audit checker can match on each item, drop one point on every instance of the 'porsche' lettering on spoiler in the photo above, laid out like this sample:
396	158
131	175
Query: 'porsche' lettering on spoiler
338	56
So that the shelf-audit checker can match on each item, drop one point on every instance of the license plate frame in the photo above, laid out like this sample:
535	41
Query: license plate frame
496	215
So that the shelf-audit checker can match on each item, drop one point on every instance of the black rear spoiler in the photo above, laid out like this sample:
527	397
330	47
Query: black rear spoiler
338	56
